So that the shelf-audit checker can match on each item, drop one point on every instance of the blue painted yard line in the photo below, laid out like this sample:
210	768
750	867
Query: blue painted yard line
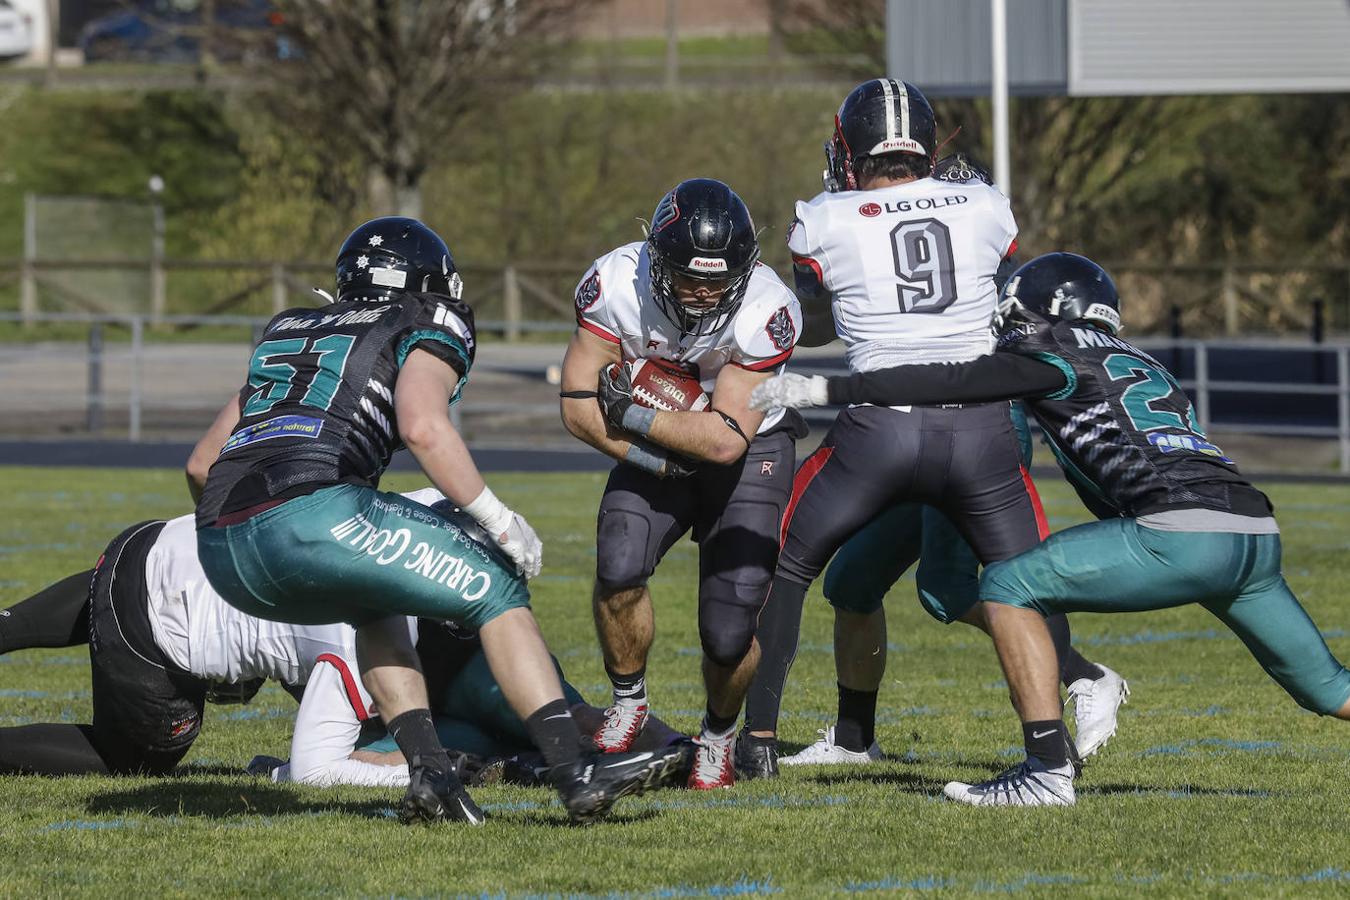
89	825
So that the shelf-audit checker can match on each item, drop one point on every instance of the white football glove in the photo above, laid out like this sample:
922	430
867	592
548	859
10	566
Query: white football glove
515	535
790	391
523	546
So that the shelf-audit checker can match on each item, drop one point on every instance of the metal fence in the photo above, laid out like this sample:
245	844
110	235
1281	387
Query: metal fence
1229	299
111	374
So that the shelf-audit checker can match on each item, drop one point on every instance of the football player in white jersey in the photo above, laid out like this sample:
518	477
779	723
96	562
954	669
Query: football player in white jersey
905	265
161	643
692	295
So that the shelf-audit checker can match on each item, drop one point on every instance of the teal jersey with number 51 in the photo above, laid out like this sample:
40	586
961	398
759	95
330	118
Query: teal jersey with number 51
317	408
1123	429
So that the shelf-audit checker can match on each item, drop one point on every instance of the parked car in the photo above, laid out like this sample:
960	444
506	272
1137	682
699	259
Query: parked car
171	31
16	32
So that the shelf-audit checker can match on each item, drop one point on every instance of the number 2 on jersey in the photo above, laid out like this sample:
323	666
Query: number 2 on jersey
1139	397
922	249
315	364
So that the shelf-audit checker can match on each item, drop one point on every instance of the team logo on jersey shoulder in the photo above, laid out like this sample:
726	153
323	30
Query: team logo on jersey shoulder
781	330
588	291
871	210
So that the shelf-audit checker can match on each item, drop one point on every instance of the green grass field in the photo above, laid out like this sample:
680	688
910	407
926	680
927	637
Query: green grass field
1216	784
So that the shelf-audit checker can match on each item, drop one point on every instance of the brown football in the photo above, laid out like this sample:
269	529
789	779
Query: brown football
665	386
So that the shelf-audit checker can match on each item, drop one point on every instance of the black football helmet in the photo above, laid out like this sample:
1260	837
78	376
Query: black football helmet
701	231
390	255
1061	287
878	116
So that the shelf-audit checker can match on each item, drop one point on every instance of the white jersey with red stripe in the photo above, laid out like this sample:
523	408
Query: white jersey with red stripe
614	301
328	728
910	267
202	634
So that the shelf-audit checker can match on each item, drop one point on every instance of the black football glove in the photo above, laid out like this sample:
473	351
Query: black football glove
616	393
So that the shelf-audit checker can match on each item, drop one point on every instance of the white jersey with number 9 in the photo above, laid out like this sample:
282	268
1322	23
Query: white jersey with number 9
910	267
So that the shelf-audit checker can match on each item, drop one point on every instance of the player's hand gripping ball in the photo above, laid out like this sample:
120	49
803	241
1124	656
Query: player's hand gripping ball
651	384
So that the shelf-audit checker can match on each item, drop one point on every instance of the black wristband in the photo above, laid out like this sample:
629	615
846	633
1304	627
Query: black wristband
578	395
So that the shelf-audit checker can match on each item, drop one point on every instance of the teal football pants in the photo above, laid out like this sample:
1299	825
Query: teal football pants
1118	565
354	554
874	559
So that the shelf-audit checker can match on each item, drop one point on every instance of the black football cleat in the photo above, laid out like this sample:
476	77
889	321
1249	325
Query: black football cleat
435	795
756	757
594	783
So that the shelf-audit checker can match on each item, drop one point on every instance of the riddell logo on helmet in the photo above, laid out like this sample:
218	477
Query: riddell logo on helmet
707	264
899	145
870	209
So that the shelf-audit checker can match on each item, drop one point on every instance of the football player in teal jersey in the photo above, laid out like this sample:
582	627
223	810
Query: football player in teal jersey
1178	523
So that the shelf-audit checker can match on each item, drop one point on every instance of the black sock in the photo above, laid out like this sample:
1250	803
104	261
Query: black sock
715	724
50	749
57	616
780	624
629	687
1075	667
554	732
415	734
1048	741
856	728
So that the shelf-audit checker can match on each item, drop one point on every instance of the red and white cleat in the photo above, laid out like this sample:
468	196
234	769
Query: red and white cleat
623	723
714	762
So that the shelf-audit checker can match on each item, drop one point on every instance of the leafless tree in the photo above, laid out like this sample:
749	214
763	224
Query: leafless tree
389	83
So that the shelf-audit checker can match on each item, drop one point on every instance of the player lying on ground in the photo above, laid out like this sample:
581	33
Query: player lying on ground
1178	522
162	641
905	264
692	297
856	583
291	525
338	738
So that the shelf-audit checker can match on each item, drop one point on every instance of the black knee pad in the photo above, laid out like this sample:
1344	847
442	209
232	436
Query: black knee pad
624	556
727	618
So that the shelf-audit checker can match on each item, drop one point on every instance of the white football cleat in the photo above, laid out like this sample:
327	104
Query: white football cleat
714	762
623	723
1030	783
825	752
1095	705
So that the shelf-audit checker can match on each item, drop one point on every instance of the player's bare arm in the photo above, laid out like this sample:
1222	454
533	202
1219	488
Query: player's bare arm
422	405
208	448
586	355
722	433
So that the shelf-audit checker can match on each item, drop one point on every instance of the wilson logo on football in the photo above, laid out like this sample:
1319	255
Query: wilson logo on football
870	209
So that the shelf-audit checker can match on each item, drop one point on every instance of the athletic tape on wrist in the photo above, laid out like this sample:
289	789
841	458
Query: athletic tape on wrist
488	511
638	419
646	459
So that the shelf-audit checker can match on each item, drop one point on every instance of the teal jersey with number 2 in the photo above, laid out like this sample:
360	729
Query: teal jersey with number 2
1123	429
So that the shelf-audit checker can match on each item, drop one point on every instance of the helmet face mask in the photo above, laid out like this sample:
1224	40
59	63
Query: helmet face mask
702	239
385	257
878	117
1060	287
